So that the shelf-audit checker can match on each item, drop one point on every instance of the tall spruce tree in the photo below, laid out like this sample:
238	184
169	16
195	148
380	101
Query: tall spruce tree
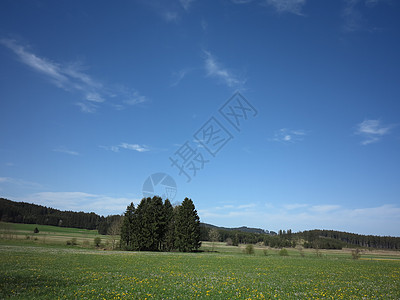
152	223
187	227
127	228
169	236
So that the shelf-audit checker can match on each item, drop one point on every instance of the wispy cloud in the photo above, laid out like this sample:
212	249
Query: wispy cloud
177	77
134	147
294	206
324	208
354	12
280	6
133	97
371	3
241	1
169	11
20	182
287	6
72	78
247	206
86	107
372	131
214	69
65	150
186	4
170	16
353	18
285	135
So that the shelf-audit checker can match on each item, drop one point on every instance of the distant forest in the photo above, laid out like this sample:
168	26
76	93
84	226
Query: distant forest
20	212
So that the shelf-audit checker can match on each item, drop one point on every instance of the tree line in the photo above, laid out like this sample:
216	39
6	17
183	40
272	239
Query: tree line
319	239
353	239
21	212
27	213
155	225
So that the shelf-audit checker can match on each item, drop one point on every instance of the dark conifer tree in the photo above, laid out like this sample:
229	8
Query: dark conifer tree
127	228
169	236
187	227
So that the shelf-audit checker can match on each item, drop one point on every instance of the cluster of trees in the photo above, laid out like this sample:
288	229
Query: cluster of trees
155	225
235	236
244	235
108	225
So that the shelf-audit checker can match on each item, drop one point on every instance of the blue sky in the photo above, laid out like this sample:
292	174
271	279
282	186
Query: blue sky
95	97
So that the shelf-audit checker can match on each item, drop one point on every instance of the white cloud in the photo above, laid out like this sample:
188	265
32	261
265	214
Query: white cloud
372	131
324	208
246	206
65	150
214	69
288	136
294	206
95	97
134	147
378	220
80	201
135	98
289	6
71	78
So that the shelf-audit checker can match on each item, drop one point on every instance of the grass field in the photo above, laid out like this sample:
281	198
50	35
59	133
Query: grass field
40	271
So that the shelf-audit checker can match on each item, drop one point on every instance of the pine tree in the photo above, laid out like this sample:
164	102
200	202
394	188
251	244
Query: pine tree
187	229
169	236
153	227
127	228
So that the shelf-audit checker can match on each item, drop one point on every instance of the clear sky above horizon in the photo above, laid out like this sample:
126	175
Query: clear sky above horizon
275	114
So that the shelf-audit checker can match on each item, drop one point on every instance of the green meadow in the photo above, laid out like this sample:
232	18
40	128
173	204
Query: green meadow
47	235
33	269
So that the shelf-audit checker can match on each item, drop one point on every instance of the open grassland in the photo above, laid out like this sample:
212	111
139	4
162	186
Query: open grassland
28	272
43	267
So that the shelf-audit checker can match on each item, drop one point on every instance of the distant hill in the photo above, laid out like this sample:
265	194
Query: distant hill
242	229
